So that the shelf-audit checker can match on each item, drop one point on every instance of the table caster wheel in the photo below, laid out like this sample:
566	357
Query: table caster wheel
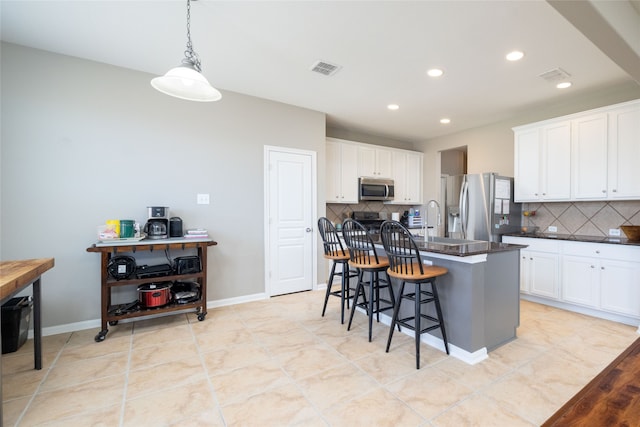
201	316
101	336
113	322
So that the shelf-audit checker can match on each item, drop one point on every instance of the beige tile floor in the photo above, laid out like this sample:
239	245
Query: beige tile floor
278	363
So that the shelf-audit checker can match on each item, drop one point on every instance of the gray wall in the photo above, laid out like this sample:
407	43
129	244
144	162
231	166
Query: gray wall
83	142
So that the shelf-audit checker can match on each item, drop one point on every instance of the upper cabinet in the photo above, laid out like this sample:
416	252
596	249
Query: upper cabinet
348	160
592	155
342	172
542	163
624	153
589	157
407	177
375	162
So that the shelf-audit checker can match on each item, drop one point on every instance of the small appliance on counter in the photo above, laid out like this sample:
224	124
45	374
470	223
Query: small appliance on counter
175	226
157	226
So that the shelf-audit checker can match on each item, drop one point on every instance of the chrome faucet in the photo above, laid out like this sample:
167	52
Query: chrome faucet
431	202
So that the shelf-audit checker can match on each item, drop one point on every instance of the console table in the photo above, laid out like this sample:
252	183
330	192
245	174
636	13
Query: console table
14	277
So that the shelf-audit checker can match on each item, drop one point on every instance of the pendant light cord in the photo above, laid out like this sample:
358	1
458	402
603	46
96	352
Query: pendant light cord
191	58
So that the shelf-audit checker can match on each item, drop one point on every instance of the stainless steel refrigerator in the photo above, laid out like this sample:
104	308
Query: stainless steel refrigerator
480	207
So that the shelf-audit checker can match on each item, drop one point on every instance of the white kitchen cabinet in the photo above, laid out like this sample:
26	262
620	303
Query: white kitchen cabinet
375	162
602	276
342	172
589	157
543	162
539	266
581	280
624	153
407	177
592	155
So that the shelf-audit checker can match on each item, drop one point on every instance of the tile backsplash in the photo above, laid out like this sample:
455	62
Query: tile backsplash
583	218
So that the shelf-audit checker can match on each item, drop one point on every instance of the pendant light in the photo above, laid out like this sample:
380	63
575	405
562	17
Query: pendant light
186	81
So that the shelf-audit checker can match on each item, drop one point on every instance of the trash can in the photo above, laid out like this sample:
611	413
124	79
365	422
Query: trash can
16	314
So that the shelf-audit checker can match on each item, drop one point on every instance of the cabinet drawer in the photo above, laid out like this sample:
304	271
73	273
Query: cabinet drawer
602	251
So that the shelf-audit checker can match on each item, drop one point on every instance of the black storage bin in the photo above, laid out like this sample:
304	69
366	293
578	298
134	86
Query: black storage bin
16	314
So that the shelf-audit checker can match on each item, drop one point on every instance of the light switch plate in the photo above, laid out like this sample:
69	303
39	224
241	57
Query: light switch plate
203	199
553	229
614	232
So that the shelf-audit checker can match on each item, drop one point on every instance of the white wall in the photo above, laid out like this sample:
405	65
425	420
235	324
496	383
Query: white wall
83	142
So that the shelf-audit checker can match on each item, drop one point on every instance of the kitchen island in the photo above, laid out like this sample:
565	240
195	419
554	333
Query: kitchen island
480	296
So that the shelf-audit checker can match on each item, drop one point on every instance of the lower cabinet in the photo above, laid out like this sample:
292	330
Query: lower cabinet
542	273
599	276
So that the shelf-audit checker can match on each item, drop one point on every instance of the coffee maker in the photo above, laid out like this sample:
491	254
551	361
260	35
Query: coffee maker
157	226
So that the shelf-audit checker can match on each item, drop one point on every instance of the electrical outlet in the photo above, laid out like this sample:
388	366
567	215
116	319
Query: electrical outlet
553	229
203	199
614	232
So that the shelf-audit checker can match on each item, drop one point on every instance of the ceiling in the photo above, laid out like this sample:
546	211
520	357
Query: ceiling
266	49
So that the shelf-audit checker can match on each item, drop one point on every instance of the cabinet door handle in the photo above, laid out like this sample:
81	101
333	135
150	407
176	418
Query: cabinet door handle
604	191
593	266
597	252
308	230
614	190
601	268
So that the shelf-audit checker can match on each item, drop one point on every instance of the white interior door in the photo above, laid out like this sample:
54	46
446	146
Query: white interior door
290	223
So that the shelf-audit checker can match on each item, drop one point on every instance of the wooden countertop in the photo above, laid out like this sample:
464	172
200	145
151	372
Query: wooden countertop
15	275
612	398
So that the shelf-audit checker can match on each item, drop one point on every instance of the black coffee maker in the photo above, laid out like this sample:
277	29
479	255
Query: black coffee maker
157	226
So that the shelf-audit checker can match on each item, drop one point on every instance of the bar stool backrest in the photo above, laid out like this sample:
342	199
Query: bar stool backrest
330	239
361	247
401	249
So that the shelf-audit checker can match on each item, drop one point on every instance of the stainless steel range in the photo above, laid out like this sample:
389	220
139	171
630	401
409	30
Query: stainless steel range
372	221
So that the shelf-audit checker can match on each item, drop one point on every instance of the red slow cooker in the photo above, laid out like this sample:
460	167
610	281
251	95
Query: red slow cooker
154	294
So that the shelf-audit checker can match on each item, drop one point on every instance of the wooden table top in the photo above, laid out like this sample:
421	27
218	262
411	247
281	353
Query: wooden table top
15	275
612	398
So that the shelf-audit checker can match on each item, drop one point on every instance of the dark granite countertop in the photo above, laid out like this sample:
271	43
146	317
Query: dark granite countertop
579	238
468	249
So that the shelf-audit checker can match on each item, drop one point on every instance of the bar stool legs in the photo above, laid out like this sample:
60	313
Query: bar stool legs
373	305
420	297
345	290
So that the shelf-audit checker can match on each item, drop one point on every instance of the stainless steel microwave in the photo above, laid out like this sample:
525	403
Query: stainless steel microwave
375	189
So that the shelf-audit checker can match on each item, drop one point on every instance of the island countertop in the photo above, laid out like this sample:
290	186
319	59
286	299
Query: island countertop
467	249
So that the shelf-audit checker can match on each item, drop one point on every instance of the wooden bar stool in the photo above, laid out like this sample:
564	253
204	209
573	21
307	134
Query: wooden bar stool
364	258
334	251
405	265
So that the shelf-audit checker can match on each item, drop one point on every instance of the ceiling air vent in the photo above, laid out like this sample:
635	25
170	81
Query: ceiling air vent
325	68
556	75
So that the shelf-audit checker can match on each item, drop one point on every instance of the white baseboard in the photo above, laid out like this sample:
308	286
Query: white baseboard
438	343
97	323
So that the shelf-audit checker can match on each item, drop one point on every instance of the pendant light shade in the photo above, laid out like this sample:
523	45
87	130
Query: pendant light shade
186	81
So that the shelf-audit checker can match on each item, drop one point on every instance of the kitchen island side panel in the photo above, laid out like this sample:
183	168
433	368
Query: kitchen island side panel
462	296
502	298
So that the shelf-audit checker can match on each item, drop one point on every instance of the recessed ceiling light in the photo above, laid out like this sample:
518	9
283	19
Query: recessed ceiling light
435	72
563	85
445	121
516	55
393	106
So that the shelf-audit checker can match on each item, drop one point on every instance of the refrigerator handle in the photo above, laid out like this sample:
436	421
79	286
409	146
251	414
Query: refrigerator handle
464	205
